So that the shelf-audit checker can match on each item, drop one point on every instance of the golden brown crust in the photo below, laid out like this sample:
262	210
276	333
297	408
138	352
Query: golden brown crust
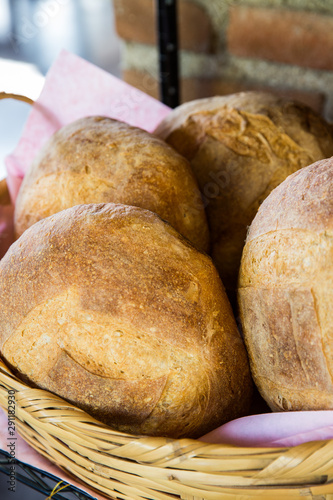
241	147
100	160
115	298
285	292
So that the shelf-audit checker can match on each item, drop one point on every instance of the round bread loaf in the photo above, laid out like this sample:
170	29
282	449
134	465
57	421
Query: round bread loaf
100	160
110	308
241	147
286	292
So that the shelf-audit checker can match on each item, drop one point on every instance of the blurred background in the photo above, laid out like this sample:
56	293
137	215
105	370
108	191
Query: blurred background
32	33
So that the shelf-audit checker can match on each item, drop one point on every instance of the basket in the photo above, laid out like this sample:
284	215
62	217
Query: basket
128	467
4	194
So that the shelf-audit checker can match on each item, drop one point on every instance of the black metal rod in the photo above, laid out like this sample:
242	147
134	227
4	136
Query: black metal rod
168	52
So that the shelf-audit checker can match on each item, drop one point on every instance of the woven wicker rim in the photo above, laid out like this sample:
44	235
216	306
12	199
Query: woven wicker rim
129	467
16	97
4	193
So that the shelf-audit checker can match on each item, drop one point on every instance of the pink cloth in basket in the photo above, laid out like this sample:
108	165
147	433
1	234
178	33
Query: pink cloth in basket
275	429
75	88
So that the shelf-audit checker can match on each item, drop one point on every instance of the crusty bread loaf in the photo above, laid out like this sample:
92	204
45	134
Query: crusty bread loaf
109	307
99	160
241	147
286	292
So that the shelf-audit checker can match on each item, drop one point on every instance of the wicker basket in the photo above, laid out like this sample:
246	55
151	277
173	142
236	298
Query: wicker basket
130	467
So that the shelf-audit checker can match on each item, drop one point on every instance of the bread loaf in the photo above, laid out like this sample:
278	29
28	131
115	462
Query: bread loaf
286	292
110	308
241	147
99	160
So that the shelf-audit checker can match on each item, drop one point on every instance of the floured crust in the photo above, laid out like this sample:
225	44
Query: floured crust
100	160
109	307
241	147
285	292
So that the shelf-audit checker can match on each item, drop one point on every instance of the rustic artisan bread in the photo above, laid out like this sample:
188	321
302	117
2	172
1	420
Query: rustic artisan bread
240	147
98	160
286	292
109	307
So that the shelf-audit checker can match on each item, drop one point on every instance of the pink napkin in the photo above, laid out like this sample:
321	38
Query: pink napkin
275	429
73	89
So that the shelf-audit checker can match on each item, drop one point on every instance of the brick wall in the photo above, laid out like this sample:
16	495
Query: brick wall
284	46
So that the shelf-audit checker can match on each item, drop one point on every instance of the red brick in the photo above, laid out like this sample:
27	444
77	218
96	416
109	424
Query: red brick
136	21
293	37
190	88
313	99
142	80
196	88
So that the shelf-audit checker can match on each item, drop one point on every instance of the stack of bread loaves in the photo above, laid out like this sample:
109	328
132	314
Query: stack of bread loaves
107	305
109	300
